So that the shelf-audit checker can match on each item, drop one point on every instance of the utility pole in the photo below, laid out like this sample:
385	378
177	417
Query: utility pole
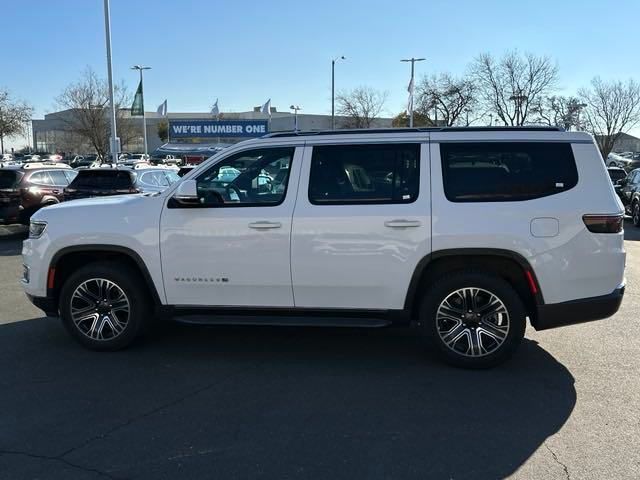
411	88
107	29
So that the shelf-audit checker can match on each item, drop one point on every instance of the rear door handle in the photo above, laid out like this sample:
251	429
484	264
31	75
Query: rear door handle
264	225
402	223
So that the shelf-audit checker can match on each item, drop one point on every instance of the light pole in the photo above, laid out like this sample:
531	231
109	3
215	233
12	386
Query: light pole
295	109
579	109
491	119
140	68
333	90
413	61
114	134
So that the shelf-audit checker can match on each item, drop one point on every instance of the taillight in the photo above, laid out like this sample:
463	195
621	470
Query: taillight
604	223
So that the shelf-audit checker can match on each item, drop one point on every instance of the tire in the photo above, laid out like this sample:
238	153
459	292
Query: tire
455	340
613	164
109	323
635	213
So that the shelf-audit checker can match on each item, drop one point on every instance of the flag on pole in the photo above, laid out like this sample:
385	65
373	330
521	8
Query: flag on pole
266	108
215	111
162	109
137	108
410	101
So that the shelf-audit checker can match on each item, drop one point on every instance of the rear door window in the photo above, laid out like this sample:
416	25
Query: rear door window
41	178
364	174
501	172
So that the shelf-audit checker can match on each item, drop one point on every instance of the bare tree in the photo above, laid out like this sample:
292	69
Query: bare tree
612	108
88	116
361	105
558	111
14	116
444	99
511	86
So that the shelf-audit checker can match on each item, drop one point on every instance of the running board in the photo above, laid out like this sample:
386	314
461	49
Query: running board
281	321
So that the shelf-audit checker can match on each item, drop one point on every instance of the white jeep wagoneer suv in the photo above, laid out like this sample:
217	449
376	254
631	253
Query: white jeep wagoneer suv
465	233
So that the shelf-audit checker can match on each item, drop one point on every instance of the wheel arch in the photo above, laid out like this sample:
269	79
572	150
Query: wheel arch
507	264
68	259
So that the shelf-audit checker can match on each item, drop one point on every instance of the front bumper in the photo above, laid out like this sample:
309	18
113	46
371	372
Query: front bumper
46	304
578	311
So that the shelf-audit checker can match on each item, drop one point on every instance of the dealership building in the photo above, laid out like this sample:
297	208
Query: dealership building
52	134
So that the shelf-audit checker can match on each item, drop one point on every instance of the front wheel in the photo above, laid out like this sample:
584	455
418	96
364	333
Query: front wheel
473	319
104	306
635	213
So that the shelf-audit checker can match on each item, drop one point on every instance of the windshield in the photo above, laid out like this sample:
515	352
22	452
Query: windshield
103	179
8	179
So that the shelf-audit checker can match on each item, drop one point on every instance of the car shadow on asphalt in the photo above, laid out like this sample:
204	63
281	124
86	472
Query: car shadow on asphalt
284	402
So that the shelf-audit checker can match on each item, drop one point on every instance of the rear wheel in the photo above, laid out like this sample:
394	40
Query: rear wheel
104	306
473	319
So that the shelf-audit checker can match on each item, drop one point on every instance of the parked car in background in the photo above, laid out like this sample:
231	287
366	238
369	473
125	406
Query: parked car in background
615	160
26	189
102	182
628	190
616	174
165	160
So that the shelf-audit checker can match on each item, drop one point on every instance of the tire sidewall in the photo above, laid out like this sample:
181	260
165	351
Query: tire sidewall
129	282
497	286
635	213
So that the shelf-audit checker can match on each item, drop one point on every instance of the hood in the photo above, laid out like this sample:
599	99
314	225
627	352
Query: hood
123	204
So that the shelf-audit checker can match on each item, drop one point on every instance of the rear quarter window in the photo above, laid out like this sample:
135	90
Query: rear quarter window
504	172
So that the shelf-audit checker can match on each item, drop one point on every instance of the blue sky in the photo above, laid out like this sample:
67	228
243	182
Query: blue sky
245	51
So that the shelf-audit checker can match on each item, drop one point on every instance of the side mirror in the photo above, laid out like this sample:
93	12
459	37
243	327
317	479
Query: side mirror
187	193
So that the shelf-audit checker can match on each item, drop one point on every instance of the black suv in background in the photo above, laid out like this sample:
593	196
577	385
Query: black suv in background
101	182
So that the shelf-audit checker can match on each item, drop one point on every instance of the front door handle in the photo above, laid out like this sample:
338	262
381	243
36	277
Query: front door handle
264	225
402	223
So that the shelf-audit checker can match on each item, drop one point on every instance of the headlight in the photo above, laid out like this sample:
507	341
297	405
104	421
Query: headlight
36	229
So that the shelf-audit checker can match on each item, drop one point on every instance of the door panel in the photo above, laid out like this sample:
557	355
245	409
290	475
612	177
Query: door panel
358	255
232	255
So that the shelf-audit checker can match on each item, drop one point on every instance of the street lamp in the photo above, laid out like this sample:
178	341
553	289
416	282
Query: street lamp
333	90
140	68
107	30
579	109
295	109
413	61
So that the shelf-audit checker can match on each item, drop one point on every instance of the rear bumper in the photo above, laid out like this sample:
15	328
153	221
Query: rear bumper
578	311
9	214
46	304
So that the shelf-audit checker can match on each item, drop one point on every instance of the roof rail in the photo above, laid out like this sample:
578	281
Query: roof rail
358	131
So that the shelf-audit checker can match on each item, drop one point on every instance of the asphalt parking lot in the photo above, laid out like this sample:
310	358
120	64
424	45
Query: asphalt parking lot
248	402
